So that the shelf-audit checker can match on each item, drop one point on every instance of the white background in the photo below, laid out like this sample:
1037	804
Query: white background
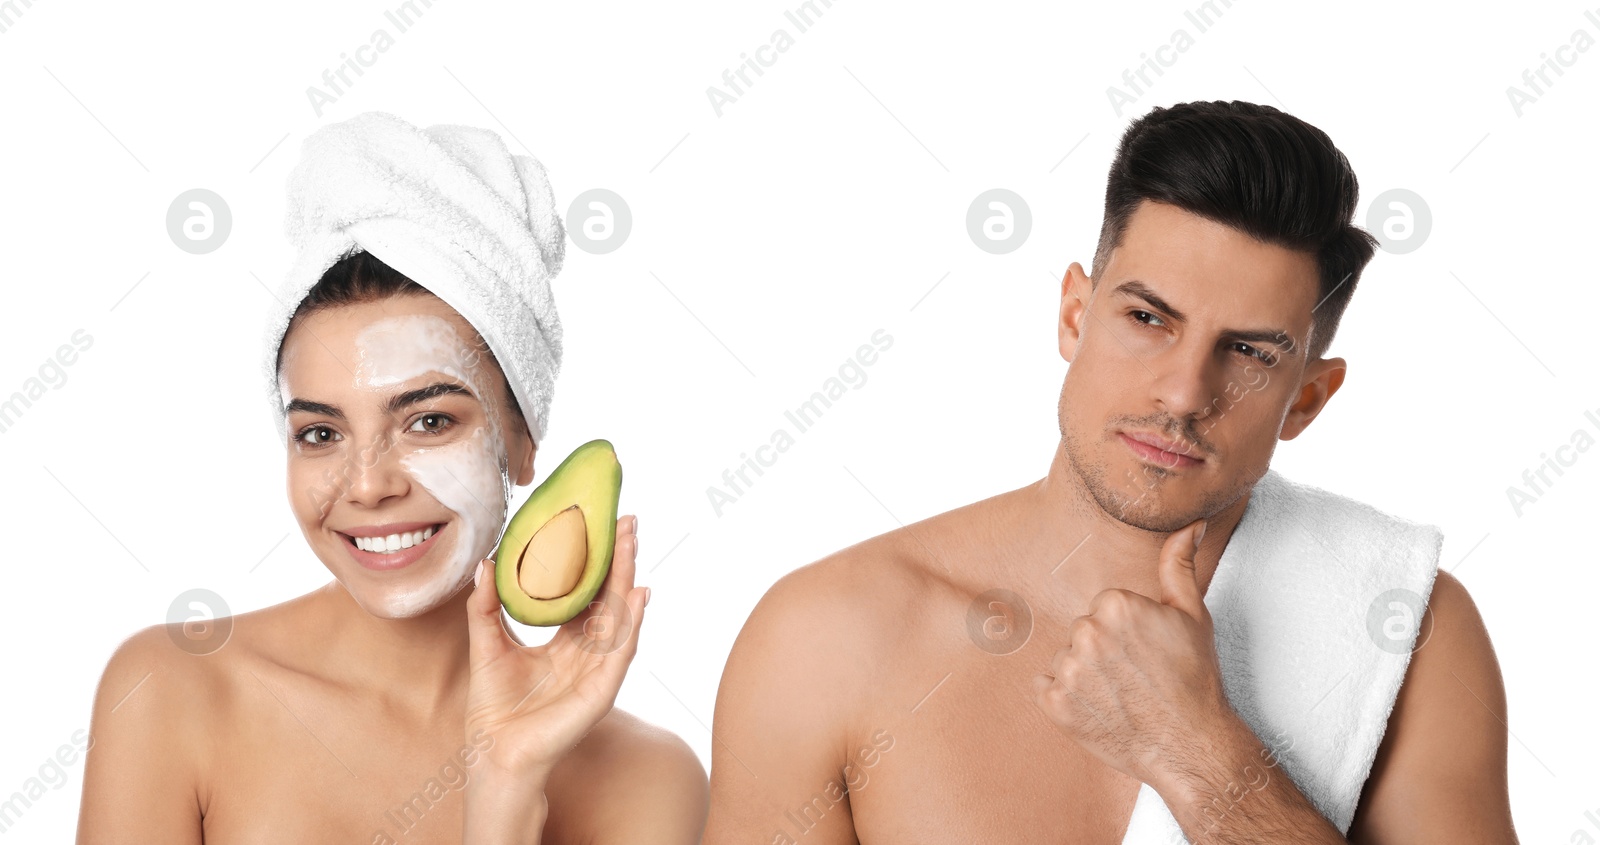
768	244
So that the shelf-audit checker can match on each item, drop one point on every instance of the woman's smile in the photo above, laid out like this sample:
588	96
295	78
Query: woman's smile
392	546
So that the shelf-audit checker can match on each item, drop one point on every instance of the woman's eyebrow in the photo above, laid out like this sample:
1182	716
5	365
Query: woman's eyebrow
423	394
395	404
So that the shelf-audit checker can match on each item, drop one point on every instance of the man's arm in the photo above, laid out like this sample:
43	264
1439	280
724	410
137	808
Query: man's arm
1139	685
1439	775
779	728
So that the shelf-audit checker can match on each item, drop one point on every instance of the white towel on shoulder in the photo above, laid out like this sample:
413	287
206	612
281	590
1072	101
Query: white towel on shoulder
1316	604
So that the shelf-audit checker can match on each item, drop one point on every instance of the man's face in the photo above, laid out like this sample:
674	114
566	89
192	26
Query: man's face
1194	338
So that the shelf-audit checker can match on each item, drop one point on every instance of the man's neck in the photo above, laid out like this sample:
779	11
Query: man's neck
1088	550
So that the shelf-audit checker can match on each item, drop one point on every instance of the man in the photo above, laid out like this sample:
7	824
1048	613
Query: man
856	707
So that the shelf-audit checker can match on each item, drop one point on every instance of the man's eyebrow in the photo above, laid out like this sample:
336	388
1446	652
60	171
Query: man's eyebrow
1134	287
395	404
1276	337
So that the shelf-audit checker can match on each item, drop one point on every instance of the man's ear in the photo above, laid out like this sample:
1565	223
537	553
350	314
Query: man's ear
1075	293
1322	379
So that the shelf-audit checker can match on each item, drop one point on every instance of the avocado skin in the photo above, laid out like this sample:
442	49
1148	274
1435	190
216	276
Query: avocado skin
591	478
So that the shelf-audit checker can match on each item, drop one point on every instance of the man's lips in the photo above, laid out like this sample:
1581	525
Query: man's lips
1160	450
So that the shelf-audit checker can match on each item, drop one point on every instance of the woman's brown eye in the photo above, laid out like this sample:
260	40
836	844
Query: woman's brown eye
438	421
314	436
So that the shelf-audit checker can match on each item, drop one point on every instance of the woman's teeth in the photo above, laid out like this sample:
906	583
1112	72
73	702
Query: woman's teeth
393	542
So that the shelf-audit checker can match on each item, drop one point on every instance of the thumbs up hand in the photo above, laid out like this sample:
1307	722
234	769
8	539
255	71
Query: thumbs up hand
1138	684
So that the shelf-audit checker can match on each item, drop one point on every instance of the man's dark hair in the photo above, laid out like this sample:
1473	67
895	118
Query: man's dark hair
1256	169
359	277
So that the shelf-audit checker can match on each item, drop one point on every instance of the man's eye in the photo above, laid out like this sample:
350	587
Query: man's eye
1253	352
443	421
316	430
1135	315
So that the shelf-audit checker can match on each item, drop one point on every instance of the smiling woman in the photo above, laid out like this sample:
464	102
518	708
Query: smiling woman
429	412
406	425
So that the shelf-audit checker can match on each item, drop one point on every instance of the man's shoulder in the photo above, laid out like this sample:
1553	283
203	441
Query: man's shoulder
831	620
865	590
1453	655
1448	719
1453	638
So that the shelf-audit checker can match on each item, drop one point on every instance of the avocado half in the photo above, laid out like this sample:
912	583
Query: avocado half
556	550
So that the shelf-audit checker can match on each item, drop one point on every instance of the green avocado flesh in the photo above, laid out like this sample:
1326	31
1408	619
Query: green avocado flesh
556	550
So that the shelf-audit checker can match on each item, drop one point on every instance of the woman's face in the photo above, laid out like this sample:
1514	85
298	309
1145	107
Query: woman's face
399	432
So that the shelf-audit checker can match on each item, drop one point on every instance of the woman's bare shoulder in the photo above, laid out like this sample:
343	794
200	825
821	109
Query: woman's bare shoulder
183	670
167	695
623	738
149	736
630	780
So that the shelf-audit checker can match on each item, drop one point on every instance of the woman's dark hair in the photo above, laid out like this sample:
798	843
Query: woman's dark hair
360	277
1256	169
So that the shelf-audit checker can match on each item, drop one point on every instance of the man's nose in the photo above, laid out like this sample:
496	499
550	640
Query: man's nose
1184	384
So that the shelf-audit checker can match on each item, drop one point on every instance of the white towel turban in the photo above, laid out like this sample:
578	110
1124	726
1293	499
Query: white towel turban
450	208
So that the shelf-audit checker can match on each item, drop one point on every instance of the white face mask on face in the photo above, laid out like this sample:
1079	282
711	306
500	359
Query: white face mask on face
469	476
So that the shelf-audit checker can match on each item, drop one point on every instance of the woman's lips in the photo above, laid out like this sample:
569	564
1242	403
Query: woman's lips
393	560
1170	460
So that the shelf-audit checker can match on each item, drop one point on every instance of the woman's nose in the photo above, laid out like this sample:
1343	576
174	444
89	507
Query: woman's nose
374	472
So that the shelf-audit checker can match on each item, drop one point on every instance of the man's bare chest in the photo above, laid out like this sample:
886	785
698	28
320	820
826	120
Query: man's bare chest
968	757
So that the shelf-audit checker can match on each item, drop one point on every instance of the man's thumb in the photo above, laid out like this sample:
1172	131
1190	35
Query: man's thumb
1180	582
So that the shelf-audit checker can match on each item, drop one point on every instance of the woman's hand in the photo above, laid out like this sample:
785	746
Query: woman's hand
537	702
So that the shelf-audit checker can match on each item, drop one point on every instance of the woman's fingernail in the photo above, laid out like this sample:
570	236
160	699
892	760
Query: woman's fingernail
646	596
477	574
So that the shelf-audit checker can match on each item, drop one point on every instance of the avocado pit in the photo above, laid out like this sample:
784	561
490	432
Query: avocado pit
554	558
